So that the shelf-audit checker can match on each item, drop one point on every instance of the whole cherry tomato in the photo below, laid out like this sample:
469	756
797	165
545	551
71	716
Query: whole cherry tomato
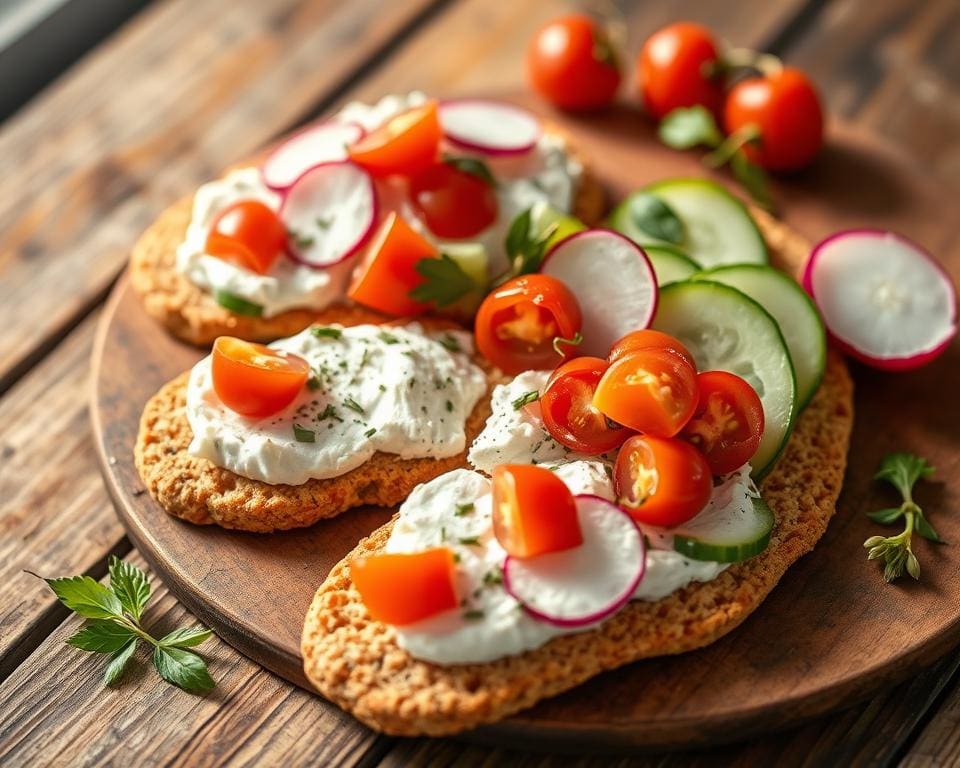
677	67
517	324
254	380
728	422
661	481
650	390
404	588
454	203
248	234
533	511
785	110
572	63
568	412
404	144
648	339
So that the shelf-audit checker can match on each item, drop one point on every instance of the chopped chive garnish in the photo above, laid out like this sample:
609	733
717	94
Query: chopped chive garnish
470	541
324	223
492	577
450	342
365	358
370	432
315	381
300	239
383	388
387	338
443	534
304	435
236	304
464	509
353	405
329	413
449	407
325	332
525	399
473	615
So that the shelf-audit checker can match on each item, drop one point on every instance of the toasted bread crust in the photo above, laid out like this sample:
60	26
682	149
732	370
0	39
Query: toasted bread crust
196	490
192	315
355	661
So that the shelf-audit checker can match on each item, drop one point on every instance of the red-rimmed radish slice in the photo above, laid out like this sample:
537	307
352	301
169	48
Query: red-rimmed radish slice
883	298
612	279
312	146
330	212
584	585
489	127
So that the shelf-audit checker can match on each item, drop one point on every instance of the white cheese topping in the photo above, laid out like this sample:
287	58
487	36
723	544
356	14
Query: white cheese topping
491	624
389	389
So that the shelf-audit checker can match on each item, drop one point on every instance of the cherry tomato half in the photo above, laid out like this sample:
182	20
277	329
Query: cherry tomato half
651	390
674	70
386	275
728	422
568	412
248	234
404	144
572	63
517	323
454	203
649	339
254	380
785	109
401	589
533	511
661	481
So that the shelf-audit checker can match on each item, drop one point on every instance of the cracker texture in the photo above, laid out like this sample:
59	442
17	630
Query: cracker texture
355	661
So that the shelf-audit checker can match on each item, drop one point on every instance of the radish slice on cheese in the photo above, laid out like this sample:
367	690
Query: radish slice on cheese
613	281
312	146
330	212
581	586
884	299
489	127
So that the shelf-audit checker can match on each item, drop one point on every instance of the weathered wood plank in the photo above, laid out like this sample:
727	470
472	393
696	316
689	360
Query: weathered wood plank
186	88
54	710
938	743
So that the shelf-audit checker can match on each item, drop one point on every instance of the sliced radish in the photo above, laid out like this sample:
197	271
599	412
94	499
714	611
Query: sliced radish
582	586
490	127
330	212
612	279
883	298
312	146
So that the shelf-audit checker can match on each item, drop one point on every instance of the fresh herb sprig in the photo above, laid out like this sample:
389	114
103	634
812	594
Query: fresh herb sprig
114	626
525	246
901	470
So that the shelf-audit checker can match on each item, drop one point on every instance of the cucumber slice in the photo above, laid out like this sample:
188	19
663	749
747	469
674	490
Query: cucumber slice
726	330
542	215
794	312
727	535
236	304
669	264
718	227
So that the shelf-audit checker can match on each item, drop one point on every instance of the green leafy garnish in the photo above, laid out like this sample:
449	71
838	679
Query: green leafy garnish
688	127
573	341
470	541
326	332
113	626
300	239
472	165
236	304
304	435
449	342
525	399
464	509
444	281
387	338
525	247
370	432
654	217
353	405
473	615
901	470
329	413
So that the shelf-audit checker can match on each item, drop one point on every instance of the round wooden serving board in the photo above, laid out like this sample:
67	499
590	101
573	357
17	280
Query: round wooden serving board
830	633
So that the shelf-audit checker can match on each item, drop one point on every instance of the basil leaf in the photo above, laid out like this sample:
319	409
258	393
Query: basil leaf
185	637
652	215
688	127
183	668
130	585
886	516
101	636
87	597
118	663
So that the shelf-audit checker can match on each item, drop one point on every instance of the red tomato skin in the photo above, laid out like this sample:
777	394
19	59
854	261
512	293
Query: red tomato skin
649	339
571	63
672	68
533	511
249	234
682	487
401	589
254	380
786	109
452	202
728	423
570	389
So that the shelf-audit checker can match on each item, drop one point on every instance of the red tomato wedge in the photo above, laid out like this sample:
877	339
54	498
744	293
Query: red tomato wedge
248	234
728	422
517	324
386	275
568	412
254	380
649	339
404	144
403	589
533	511
650	390
453	203
661	481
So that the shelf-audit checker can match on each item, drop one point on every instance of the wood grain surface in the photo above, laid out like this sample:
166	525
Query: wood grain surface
825	637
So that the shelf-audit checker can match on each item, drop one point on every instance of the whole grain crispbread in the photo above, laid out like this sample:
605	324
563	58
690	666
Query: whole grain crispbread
355	661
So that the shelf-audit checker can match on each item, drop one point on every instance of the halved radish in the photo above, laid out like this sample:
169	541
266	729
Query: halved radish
883	298
581	586
330	212
612	279
490	127
312	146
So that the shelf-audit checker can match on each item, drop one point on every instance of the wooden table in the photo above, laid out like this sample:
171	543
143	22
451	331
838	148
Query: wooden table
179	91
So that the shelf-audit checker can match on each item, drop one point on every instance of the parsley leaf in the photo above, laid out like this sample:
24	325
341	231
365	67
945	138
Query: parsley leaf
102	636
130	585
444	281
184	669
86	597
